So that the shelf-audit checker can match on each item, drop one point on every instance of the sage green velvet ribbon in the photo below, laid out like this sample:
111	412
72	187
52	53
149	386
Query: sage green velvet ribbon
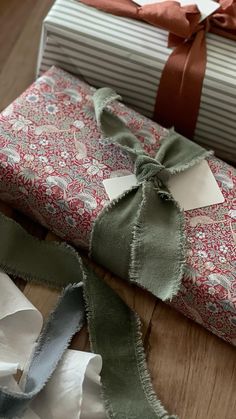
140	236
114	328
142	232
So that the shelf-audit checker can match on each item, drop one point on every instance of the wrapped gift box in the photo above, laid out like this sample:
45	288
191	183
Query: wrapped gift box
129	56
52	164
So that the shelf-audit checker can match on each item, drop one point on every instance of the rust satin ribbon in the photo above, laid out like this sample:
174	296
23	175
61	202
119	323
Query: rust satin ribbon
179	93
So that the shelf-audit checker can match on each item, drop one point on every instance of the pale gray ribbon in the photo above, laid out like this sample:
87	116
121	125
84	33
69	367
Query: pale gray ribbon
65	321
58	264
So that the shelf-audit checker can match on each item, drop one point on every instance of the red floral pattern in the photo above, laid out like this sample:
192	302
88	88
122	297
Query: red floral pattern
52	163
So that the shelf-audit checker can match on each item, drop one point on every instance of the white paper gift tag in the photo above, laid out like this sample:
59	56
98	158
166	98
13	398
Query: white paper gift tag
117	185
193	188
206	7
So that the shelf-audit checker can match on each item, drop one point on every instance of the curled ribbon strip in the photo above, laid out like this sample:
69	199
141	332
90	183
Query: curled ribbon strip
56	265
114	328
144	228
65	321
183	74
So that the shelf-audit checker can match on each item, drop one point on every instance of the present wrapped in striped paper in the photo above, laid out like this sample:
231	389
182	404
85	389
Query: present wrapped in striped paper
129	56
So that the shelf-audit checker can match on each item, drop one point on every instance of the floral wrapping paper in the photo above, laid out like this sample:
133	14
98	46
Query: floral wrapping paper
52	163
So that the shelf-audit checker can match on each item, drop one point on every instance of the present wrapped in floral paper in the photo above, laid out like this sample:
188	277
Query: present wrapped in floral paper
54	160
198	92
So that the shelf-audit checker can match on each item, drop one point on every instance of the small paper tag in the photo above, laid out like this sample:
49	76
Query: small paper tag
114	187
194	188
206	7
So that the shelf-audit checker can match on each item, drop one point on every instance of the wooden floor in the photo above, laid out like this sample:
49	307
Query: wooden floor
193	371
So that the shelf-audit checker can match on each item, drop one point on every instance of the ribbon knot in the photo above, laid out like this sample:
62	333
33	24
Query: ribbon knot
147	168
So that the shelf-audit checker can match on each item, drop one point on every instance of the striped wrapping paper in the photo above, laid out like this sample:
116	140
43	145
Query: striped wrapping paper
129	56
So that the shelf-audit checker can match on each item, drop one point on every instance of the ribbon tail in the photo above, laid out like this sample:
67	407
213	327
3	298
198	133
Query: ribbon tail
114	328
179	93
33	260
112	126
67	319
23	255
113	228
115	333
125	378
143	238
158	244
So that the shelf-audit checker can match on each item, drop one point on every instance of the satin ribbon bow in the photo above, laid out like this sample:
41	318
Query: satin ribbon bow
183	74
142	232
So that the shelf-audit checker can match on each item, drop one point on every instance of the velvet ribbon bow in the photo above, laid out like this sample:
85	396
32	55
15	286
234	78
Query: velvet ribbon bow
183	74
144	228
140	237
